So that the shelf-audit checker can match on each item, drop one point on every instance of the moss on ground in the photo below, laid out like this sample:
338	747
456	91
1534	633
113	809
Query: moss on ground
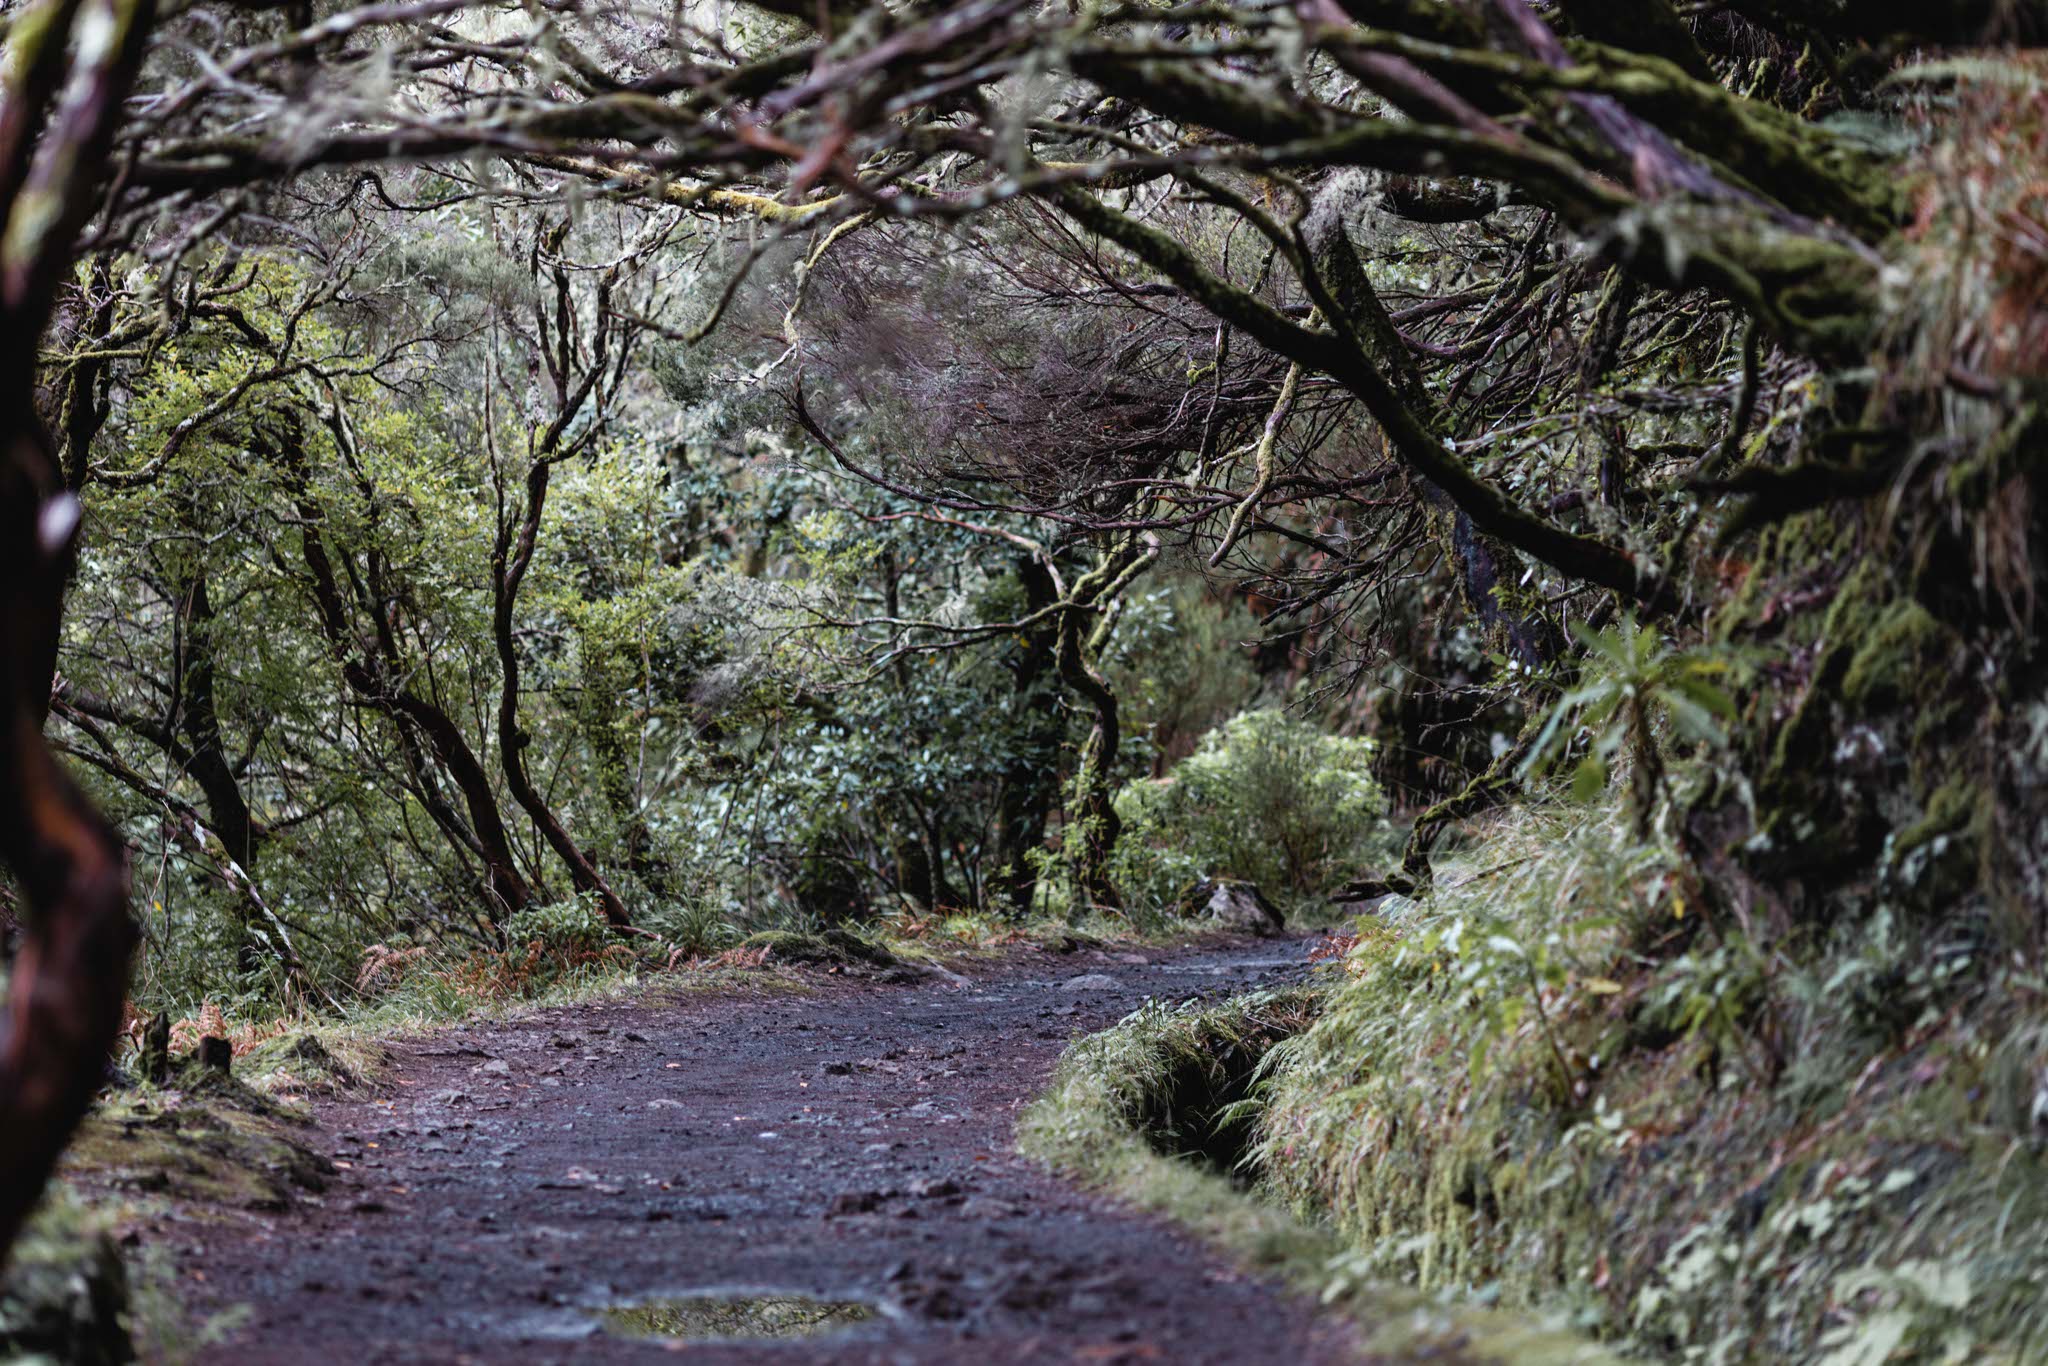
65	1295
80	1289
218	1145
1122	1108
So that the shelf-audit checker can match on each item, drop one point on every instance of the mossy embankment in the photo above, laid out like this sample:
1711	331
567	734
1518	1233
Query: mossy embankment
87	1286
1162	1110
1554	1085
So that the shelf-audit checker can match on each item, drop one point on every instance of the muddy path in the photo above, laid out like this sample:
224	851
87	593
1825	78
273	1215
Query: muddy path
511	1181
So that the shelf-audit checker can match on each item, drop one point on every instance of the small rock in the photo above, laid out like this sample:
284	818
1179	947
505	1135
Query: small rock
1090	981
1235	905
496	1067
853	1202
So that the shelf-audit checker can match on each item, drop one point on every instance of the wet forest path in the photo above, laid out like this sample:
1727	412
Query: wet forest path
511	1180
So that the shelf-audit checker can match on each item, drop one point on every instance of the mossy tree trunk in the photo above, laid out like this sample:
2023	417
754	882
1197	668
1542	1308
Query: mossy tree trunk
1092	822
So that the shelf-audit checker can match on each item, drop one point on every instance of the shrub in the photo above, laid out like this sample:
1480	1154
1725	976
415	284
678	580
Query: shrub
564	929
695	926
1264	797
543	945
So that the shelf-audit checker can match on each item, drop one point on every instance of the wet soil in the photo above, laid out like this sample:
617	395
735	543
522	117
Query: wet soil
509	1183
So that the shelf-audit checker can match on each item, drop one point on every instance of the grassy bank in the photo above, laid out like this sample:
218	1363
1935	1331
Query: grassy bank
1550	1083
1159	1110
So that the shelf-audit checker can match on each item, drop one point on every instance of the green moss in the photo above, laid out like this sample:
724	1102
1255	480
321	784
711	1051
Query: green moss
719	1317
65	1294
1958	806
1848	620
1901	656
837	947
221	1147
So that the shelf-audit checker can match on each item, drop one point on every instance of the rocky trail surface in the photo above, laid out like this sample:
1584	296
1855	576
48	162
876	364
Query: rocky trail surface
840	1159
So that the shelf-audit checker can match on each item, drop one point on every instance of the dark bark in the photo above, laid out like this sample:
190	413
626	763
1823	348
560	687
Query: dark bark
206	755
576	380
1031	780
510	563
71	973
70	976
1485	567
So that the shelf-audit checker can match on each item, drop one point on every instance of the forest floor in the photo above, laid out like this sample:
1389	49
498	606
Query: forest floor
545	1187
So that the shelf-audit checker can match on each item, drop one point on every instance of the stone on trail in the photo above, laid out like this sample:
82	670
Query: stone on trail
1233	905
1093	981
853	1202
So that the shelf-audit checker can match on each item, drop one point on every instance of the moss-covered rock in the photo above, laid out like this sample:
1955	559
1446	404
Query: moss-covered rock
217	1143
64	1297
834	947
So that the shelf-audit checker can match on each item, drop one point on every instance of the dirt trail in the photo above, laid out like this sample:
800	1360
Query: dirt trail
852	1142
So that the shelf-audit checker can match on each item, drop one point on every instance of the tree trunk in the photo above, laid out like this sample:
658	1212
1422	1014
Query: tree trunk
509	566
598	713
64	1000
1031	784
1092	812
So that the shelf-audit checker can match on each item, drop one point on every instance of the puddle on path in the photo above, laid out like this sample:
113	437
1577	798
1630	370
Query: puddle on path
699	1318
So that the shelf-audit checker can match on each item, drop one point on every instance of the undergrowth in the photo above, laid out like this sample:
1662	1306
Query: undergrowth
1549	1083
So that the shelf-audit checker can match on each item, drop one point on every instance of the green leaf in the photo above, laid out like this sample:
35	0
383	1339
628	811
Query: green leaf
1704	694
1589	779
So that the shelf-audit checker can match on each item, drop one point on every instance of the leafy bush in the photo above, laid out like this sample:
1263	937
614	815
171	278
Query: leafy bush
1264	797
544	945
697	926
564	929
1629	680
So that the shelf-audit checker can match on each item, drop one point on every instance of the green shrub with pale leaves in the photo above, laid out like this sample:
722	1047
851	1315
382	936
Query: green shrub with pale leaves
1265	797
